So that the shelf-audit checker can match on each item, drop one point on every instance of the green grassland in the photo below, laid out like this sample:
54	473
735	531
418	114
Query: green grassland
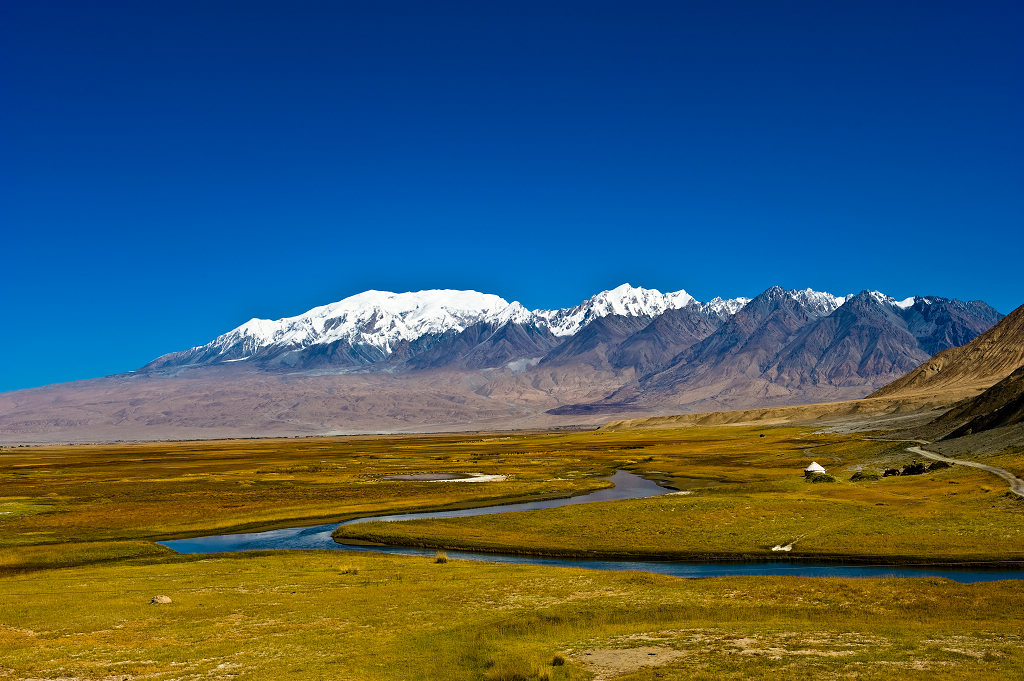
79	563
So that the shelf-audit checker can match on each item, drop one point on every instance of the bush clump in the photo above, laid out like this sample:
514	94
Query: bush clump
860	476
819	477
939	465
916	468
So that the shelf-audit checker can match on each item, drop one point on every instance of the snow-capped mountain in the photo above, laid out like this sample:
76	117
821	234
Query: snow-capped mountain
373	322
379	319
373	325
380	327
889	300
432	360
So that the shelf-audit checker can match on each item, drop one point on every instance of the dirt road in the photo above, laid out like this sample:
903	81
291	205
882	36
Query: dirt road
1016	484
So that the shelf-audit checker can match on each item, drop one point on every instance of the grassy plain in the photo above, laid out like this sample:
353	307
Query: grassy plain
361	617
78	562
744	495
60	506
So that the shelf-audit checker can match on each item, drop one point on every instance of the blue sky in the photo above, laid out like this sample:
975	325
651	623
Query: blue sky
172	169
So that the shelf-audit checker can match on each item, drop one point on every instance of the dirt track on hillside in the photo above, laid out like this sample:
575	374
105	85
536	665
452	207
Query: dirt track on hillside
1016	484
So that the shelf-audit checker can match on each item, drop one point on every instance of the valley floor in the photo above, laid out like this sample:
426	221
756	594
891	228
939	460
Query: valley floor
79	565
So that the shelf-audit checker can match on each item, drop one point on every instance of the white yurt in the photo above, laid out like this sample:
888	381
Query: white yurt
815	467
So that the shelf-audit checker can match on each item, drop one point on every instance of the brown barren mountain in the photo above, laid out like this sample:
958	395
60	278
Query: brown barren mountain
1001	405
984	361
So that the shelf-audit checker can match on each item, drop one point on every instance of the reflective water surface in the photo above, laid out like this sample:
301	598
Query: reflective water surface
627	486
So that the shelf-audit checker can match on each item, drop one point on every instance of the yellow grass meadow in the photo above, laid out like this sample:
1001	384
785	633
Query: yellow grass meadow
79	566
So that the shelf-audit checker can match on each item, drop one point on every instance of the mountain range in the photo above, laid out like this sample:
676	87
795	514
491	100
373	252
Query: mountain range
790	338
378	327
453	359
786	347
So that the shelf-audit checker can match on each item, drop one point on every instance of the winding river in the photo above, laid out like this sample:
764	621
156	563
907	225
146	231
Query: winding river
627	486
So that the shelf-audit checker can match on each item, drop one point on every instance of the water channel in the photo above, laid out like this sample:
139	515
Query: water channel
627	486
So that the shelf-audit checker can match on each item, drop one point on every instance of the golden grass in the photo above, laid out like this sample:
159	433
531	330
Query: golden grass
94	493
78	566
337	616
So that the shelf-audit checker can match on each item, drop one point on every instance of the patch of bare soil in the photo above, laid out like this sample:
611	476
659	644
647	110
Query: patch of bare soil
621	656
610	663
612	658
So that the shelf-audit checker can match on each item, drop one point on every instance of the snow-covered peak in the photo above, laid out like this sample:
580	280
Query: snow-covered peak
375	318
890	301
725	308
623	300
380	320
635	301
514	313
823	304
418	308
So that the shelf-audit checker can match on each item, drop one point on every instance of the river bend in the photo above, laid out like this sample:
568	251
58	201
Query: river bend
627	486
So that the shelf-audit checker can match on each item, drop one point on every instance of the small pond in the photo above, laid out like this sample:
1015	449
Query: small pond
428	476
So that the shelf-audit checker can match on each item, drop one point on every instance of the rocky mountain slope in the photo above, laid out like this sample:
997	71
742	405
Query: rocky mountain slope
666	336
999	406
981	362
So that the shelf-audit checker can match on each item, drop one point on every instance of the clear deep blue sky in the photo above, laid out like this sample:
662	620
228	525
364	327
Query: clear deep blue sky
171	169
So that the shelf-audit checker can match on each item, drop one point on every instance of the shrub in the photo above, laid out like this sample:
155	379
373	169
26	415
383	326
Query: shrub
819	477
516	672
441	557
865	475
916	468
557	661
939	465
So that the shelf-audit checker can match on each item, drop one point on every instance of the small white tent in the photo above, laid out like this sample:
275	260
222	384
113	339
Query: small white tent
815	467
